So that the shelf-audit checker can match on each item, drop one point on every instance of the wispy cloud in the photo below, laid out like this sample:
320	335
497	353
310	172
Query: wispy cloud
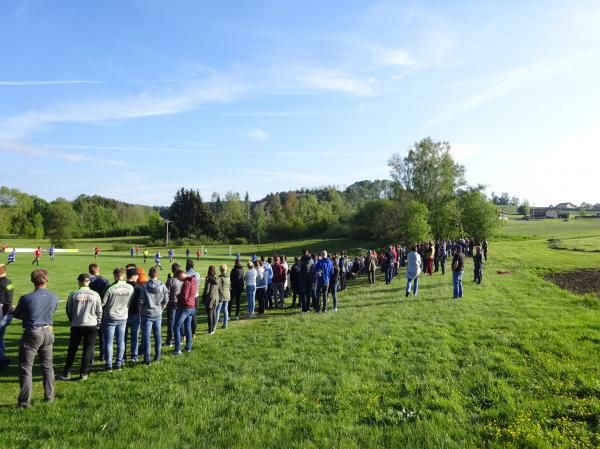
392	57
509	82
168	149
45	152
258	134
333	80
46	82
146	104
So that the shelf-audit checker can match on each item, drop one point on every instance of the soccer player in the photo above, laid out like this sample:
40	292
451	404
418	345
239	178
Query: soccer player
198	254
84	310
12	256
157	260
96	251
132	251
51	252
36	256
145	256
35	309
187	253
6	311
171	255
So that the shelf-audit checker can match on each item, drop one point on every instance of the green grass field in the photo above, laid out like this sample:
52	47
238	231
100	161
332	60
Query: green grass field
579	244
514	364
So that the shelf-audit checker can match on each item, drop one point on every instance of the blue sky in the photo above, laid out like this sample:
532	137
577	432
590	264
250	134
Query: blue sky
133	99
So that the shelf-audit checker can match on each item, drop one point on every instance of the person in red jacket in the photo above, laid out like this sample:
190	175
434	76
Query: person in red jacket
36	256
279	275
186	308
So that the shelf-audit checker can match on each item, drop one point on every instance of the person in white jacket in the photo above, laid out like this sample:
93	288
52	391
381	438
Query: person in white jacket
414	265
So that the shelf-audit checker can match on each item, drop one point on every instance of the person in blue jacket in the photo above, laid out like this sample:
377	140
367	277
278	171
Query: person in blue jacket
157	261
324	267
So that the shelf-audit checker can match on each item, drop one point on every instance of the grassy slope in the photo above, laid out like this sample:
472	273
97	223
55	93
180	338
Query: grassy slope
514	364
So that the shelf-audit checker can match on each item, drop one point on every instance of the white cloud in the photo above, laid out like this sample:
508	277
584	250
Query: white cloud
258	134
47	82
146	104
45	152
330	80
392	57
509	82
462	151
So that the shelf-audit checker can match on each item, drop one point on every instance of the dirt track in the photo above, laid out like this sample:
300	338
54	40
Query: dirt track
580	281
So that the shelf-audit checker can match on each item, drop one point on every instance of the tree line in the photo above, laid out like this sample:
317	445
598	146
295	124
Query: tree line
427	198
33	217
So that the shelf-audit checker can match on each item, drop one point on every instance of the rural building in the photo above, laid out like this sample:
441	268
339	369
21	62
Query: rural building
544	212
566	206
502	215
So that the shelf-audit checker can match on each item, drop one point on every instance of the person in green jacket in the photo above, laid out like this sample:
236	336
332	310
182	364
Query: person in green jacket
223	288
210	298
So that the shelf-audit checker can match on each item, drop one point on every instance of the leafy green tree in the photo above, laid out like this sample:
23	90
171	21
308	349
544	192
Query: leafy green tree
156	226
379	220
415	223
478	215
524	209
62	222
191	216
428	171
258	224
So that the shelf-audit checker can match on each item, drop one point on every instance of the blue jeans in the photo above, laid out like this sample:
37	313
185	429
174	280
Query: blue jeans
457	280
389	272
112	328
183	318
151	325
334	290
171	310
415	285
250	291
223	305
4	322
133	324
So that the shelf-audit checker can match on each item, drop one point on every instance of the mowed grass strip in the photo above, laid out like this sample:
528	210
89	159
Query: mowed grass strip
514	364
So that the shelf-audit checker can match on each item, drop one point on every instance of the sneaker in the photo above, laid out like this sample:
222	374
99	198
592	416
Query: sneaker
83	377
134	360
224	326
119	368
64	377
168	345
108	370
212	333
176	352
148	364
335	309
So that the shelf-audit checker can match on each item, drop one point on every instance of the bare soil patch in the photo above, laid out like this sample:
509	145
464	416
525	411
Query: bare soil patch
580	281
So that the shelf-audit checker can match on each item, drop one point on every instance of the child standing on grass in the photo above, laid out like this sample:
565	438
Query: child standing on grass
157	260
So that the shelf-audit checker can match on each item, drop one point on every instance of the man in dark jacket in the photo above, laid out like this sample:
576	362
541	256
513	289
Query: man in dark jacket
99	284
295	280
236	278
6	312
458	270
478	265
305	278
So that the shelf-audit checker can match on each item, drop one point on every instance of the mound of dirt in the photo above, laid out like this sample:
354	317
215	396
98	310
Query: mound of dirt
580	281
